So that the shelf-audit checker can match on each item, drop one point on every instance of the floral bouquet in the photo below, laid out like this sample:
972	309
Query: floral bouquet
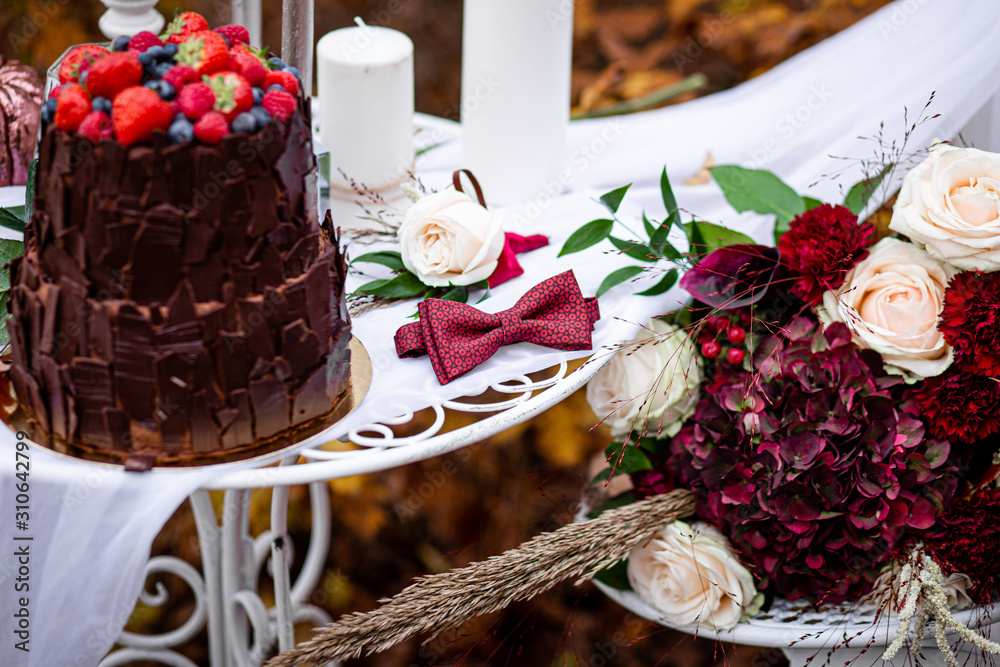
819	423
833	403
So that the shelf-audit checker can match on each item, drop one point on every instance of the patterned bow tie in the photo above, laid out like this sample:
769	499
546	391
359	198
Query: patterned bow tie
458	337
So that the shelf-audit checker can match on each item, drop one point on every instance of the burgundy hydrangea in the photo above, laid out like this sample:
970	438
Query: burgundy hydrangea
652	482
810	465
970	321
821	246
961	407
967	540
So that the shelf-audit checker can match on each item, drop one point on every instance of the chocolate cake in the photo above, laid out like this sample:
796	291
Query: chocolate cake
178	303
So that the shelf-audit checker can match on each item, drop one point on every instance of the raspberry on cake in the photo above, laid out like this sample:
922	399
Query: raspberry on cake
163	313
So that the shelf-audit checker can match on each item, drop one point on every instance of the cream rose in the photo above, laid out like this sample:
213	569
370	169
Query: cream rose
448	239
689	573
649	382
891	302
950	203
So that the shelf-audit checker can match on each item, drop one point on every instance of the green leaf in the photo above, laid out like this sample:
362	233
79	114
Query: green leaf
615	576
666	282
759	191
29	191
810	203
590	234
669	200
650	228
403	286
9	251
627	458
658	240
603	476
618	277
716	236
858	196
614	198
634	249
460	294
12	218
389	258
780	227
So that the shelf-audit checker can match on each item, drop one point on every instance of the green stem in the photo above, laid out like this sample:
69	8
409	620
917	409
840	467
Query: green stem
694	82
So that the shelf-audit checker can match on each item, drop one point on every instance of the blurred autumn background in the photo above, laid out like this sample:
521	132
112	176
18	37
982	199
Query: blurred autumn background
494	495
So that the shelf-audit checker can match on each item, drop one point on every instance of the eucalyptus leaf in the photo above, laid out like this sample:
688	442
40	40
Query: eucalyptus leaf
590	234
666	282
403	286
634	249
389	258
612	200
667	193
759	191
618	277
859	195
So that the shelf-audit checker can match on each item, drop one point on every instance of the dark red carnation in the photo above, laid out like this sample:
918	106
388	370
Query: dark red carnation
821	246
960	407
967	540
970	321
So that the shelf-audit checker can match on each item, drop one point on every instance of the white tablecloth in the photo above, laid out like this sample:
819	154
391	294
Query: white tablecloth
92	527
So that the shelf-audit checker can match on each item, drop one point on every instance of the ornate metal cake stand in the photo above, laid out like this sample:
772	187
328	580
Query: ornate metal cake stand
242	628
834	636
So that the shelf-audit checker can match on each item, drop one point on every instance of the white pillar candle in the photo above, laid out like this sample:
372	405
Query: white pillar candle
516	63
365	79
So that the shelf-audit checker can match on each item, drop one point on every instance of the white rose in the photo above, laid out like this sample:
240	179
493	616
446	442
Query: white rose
655	382
950	203
891	301
690	575
448	239
886	591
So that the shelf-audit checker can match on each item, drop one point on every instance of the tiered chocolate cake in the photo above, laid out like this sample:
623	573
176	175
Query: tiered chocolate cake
178	302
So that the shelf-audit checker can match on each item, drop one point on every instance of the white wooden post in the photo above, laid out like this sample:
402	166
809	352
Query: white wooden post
248	13
127	17
297	38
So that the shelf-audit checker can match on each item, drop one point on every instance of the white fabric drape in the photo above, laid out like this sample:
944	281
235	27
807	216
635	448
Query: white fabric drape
88	552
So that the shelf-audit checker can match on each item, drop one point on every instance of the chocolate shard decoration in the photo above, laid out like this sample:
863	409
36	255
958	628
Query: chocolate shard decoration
176	303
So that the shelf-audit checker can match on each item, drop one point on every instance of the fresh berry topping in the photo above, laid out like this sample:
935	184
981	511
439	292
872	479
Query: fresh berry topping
49	110
146	59
95	126
161	69
183	25
113	73
711	349
258	95
262	116
171	50
279	104
179	76
233	94
246	123
101	104
294	71
195	100
236	34
137	113
205	51
181	131
736	335
210	128
163	89
158	53
283	78
142	41
79	60
121	43
248	65
54	93
72	106
735	355
273	88
276	63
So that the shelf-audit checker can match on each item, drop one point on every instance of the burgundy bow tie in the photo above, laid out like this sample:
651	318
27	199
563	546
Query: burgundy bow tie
458	337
